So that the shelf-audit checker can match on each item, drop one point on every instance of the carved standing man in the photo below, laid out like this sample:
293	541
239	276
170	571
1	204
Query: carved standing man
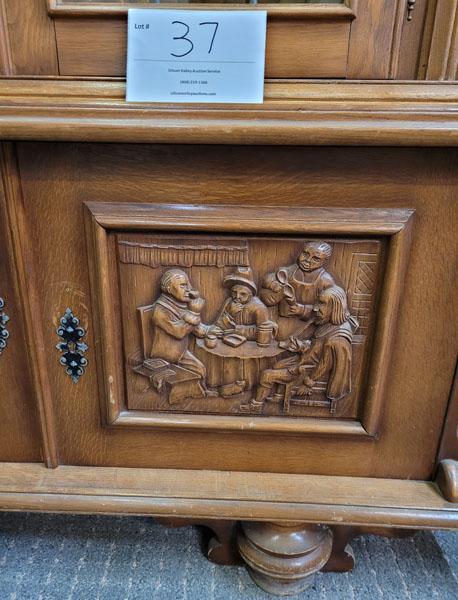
175	315
244	311
294	288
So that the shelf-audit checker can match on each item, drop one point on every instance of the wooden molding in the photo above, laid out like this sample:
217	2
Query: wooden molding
27	39
373	29
439	55
6	59
447	479
60	8
250	219
293	113
101	218
295	47
311	426
23	257
449	442
226	495
405	65
355	39
397	259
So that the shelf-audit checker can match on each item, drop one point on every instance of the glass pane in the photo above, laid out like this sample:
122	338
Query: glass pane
127	2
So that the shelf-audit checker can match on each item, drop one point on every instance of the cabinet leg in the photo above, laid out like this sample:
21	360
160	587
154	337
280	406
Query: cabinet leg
342	558
282	558
219	544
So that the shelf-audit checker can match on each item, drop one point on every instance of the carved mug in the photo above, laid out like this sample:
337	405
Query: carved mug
211	341
288	291
196	303
265	333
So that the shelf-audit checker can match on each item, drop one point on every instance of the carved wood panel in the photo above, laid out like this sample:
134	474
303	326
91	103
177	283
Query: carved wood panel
265	315
246	337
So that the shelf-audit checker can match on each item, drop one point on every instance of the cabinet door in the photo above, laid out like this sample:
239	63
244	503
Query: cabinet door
335	39
149	385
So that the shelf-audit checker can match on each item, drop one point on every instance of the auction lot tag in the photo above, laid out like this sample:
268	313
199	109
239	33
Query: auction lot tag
195	56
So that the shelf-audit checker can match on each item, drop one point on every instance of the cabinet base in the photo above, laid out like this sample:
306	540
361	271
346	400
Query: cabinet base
282	558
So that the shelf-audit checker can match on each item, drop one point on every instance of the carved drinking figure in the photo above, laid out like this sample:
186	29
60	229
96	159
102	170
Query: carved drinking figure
174	316
294	288
244	313
284	371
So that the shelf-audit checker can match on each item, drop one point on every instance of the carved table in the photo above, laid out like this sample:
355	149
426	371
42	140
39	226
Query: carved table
132	235
248	363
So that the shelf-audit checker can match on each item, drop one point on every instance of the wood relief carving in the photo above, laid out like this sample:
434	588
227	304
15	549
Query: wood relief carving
208	317
232	328
4	333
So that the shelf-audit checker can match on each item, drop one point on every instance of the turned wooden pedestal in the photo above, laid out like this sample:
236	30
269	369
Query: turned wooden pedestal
282	558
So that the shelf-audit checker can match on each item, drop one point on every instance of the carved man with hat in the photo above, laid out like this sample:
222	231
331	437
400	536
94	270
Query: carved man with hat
243	311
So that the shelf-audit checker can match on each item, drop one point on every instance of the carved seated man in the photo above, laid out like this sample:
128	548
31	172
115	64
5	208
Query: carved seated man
284	371
174	316
329	348
243	312
294	288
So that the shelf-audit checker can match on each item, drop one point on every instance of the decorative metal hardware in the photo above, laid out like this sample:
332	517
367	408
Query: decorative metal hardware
410	9
72	346
4	333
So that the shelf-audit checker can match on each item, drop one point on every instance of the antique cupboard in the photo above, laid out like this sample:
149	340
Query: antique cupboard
238	316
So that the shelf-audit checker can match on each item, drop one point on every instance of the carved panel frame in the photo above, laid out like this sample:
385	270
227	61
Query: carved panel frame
103	218
326	10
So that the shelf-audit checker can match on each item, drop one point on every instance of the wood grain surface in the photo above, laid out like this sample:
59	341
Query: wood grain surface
308	113
20	438
216	495
439	53
24	278
308	11
295	47
29	37
355	40
58	178
449	442
447	479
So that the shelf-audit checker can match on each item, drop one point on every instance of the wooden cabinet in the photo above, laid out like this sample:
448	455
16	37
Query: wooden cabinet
238	316
234	315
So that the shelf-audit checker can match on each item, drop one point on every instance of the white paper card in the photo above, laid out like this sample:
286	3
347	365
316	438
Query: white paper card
195	56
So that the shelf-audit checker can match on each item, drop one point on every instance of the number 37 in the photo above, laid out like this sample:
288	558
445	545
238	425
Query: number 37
188	41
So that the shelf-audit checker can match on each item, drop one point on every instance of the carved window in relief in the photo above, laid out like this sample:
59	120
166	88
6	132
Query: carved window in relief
268	326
